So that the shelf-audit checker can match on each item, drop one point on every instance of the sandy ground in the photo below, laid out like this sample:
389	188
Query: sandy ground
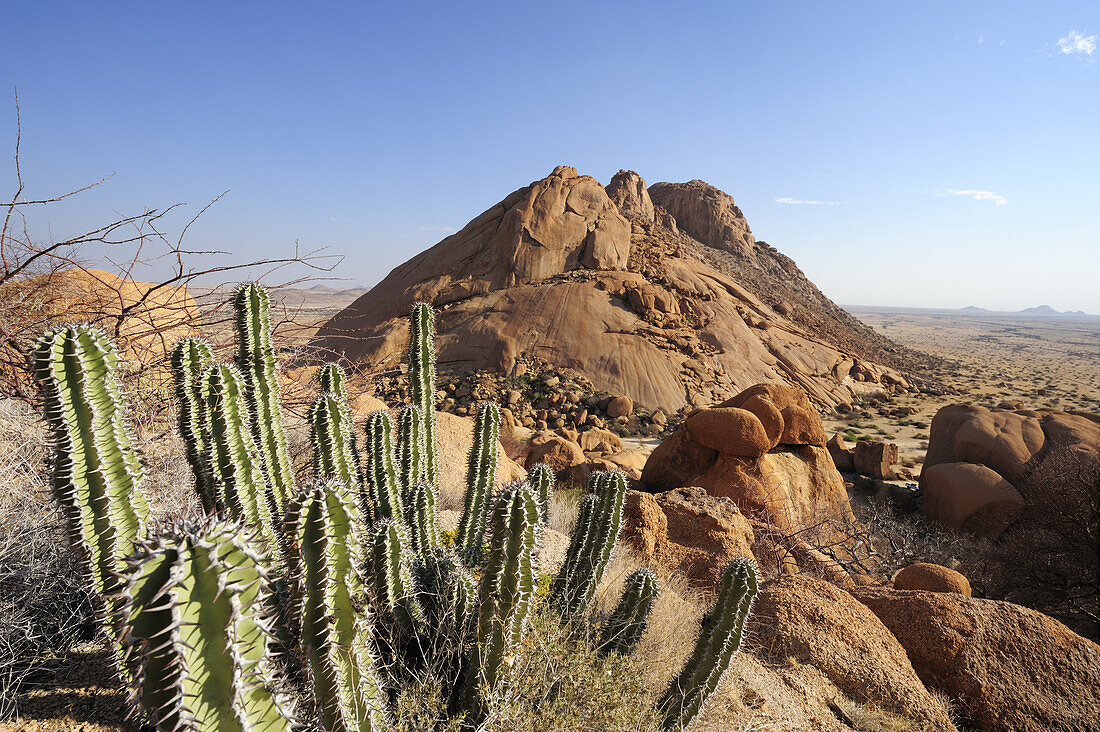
1051	362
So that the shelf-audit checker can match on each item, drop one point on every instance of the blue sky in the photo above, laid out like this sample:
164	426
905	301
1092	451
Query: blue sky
953	148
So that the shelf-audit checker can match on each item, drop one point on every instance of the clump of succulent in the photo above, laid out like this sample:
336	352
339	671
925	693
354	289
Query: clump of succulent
312	602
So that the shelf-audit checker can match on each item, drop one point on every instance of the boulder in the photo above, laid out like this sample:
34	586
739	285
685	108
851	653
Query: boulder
554	450
798	423
728	430
454	439
969	497
620	406
841	453
816	623
1003	441
594	438
1010	668
723	449
628	191
931	578
875	458
686	531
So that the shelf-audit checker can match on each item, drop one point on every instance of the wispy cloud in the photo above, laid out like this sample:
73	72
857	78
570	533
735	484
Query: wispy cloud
1076	43
997	198
438	229
800	202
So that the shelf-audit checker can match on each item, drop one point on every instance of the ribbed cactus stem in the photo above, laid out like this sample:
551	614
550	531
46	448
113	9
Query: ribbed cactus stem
419	497
196	618
256	359
332	379
410	447
235	467
480	478
504	598
591	545
328	599
720	637
381	474
189	359
333	433
422	380
627	623
390	580
541	478
449	595
96	474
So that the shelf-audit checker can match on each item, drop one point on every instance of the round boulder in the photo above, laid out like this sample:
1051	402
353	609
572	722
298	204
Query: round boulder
730	431
620	406
932	578
969	497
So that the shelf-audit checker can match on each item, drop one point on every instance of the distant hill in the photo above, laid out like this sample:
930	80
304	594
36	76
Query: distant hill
660	293
1047	310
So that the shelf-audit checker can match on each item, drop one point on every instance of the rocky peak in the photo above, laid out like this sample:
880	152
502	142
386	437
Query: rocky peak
706	214
628	191
603	281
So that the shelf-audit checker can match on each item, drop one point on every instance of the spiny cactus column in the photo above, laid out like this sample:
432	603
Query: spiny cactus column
332	379
419	497
333	434
422	380
328	597
96	474
196	617
590	546
541	478
256	359
720	637
389	576
235	468
627	623
449	595
480	477
504	598
190	357
385	489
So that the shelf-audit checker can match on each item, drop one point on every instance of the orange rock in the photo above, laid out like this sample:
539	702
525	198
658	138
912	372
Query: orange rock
801	423
1010	668
687	531
932	578
554	450
821	625
728	430
971	497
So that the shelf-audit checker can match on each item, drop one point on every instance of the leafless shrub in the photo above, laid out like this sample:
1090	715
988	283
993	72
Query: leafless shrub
44	608
95	276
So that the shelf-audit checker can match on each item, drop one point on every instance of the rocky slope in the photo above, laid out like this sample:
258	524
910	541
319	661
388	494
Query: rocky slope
670	306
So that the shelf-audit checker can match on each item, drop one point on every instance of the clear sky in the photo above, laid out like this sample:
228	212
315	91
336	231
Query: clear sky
952	149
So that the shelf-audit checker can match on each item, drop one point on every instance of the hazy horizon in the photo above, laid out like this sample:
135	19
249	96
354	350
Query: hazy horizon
909	156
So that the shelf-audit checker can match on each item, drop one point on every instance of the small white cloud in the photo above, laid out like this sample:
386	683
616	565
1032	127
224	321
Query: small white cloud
336	218
981	38
799	202
1076	43
997	198
438	229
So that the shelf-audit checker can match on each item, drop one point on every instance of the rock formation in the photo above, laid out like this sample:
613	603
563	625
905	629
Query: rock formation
814	622
687	532
931	577
765	449
1010	667
605	281
1030	480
